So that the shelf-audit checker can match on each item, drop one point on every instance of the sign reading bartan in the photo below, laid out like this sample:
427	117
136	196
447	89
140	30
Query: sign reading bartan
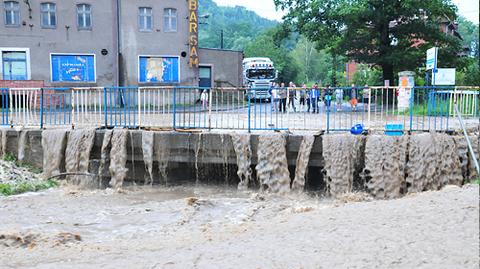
193	30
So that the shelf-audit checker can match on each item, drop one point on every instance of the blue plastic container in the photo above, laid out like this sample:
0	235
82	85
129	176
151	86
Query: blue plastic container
394	129
357	129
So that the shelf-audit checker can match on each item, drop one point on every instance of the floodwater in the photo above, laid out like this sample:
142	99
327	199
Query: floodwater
209	227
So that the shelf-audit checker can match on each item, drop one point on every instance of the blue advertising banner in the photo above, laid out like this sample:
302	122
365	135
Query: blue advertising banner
73	68
159	69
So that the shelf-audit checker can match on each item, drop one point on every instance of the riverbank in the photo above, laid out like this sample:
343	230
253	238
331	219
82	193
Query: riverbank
211	227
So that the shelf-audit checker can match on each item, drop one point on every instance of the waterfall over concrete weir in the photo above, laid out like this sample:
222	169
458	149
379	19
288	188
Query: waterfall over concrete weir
77	156
147	149
4	143
272	166
433	162
53	144
162	154
243	151
105	153
385	160
302	162
118	158
341	154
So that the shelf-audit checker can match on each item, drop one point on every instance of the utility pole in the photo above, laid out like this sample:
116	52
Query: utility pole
221	39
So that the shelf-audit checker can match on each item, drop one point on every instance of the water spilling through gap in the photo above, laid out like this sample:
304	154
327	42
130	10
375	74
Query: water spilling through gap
302	162
272	167
105	154
4	143
21	144
341	154
162	154
385	159
118	158
243	151
77	156
147	149
53	144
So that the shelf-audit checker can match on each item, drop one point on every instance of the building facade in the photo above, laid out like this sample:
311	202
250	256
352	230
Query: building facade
88	43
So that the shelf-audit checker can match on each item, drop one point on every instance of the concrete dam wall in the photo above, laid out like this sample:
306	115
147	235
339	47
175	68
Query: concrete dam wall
334	164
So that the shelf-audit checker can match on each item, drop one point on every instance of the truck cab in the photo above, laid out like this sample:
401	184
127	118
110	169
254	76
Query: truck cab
258	75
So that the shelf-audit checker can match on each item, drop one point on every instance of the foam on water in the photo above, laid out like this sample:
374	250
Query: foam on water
272	166
77	156
162	154
385	159
53	144
341	153
302	162
147	149
243	151
118	158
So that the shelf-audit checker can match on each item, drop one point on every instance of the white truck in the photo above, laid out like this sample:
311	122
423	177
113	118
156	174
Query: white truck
258	77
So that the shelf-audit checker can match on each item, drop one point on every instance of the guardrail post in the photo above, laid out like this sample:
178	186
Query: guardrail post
249	114
328	120
174	108
412	95
105	102
41	107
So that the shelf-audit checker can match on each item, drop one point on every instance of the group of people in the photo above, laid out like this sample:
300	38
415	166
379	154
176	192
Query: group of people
310	99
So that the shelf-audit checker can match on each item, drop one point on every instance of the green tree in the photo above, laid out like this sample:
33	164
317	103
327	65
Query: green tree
393	34
239	25
470	36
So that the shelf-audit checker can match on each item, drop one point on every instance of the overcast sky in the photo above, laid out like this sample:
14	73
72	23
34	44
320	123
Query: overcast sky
266	8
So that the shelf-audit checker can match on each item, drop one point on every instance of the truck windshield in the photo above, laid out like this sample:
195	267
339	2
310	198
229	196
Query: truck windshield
261	74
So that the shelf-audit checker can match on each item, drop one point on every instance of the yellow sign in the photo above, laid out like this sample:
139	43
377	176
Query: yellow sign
193	30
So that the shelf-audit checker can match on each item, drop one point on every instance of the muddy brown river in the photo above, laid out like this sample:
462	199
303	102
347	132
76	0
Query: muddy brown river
207	227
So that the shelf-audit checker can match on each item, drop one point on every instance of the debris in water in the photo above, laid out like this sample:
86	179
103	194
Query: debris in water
302	162
354	197
147	148
162	154
77	157
272	167
341	153
385	159
191	201
118	158
53	144
241	145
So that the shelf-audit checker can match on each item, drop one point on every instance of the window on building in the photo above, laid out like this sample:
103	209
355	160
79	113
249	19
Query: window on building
14	65
170	20
73	68
145	19
12	13
48	15
84	16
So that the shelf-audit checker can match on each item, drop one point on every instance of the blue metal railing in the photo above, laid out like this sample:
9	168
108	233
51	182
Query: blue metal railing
331	110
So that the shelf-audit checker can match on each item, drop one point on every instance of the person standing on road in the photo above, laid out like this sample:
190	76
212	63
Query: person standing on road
283	98
328	97
303	93
274	96
339	98
315	95
291	96
353	98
